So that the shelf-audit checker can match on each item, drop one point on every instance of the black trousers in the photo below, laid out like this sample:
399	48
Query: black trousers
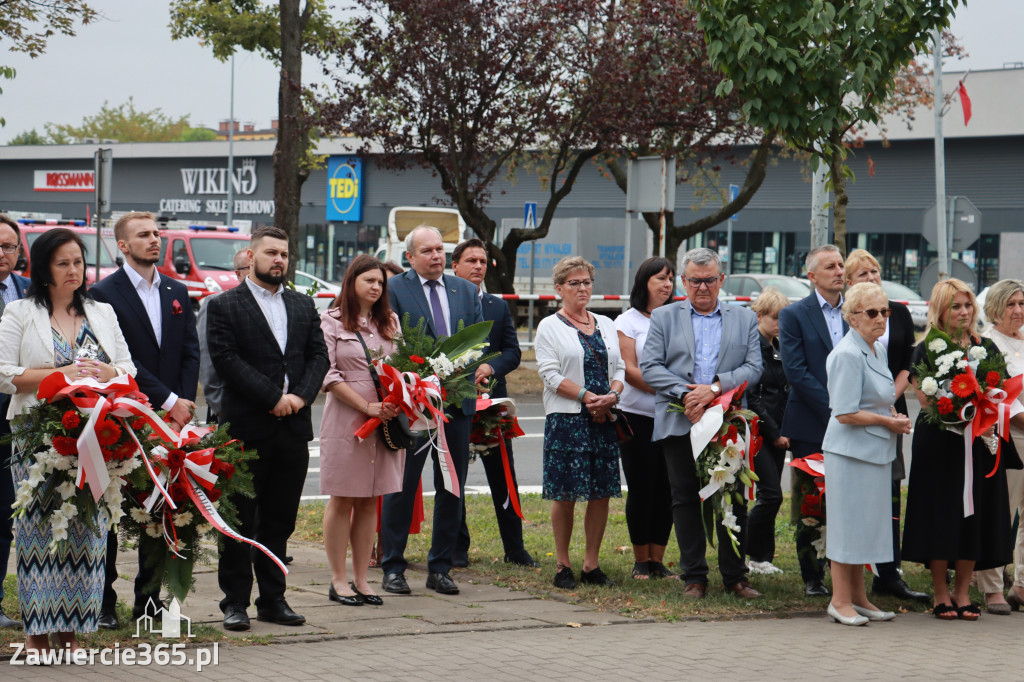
510	526
278	475
686	513
396	510
768	464
142	578
649	503
810	568
6	497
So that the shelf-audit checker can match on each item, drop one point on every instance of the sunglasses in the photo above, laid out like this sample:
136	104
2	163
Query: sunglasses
872	313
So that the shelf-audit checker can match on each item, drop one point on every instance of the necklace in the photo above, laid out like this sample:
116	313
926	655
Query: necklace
585	323
69	339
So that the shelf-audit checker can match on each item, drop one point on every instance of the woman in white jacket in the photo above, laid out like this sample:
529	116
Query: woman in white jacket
579	361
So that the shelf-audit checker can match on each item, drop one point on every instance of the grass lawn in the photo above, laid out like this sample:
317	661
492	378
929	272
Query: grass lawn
661	599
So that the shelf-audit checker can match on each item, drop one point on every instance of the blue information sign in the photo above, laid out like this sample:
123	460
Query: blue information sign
345	188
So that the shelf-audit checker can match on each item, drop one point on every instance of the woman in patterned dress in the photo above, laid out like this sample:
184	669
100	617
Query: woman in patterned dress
58	591
579	361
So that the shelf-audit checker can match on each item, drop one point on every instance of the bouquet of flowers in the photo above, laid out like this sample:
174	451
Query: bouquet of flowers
494	421
186	502
724	444
812	511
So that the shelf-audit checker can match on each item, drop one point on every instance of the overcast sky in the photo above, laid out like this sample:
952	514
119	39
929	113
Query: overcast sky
129	53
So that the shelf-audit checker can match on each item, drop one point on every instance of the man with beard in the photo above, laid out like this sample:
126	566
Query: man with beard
155	316
267	347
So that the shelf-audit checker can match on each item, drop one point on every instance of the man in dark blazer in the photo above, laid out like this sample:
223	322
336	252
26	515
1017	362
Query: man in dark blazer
12	287
469	261
442	301
267	347
808	331
155	316
695	350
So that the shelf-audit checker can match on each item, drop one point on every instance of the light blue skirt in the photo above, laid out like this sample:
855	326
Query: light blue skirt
858	510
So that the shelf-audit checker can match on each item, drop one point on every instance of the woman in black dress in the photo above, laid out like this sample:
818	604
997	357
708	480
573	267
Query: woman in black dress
936	533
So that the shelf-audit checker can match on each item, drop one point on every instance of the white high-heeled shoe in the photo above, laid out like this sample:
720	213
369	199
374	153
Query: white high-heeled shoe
846	620
874	615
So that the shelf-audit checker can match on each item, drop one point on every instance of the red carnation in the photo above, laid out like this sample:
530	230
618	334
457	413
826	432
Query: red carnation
107	432
65	445
416	360
125	450
964	385
993	379
227	470
178	492
945	405
214	494
175	459
811	505
70	420
138	423
732	435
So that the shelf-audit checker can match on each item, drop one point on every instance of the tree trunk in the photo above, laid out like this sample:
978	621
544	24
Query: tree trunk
842	200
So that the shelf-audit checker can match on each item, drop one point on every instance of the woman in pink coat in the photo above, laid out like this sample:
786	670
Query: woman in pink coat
354	473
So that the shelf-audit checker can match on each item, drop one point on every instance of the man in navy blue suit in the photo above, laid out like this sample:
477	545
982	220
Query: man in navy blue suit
12	287
808	331
442	301
469	261
155	316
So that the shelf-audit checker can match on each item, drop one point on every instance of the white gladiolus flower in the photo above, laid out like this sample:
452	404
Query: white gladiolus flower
977	353
115	514
929	386
441	365
58	535
68	510
183	519
722	476
59	521
936	345
35	474
729	521
24	494
140	515
66	490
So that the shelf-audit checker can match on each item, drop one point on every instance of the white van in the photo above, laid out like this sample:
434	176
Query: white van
404	219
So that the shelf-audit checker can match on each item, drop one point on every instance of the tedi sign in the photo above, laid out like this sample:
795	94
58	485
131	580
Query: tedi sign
207	181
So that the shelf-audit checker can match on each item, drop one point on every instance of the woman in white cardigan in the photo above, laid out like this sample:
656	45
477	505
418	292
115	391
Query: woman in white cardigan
579	361
58	591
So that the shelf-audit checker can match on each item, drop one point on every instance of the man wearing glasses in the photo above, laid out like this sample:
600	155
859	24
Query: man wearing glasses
695	349
213	387
12	287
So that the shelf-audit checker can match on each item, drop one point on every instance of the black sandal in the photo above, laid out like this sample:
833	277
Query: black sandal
945	612
641	570
658	570
969	612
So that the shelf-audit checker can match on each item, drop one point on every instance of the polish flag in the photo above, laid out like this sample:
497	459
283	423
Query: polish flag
965	102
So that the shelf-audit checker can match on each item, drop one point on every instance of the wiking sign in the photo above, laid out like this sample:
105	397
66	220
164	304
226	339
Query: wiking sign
214	181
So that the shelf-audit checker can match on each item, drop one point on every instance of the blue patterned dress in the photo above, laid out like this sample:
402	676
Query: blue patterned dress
61	591
581	458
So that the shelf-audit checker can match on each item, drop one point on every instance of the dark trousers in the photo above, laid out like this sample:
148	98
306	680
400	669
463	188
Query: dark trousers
142	578
396	510
510	526
649	503
6	498
278	474
686	513
810	568
889	571
768	464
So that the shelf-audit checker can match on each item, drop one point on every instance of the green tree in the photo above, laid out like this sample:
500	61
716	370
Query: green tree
811	71
27	25
124	123
197	135
281	32
29	137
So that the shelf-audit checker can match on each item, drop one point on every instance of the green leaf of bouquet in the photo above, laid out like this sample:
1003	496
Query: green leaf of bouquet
179	577
465	339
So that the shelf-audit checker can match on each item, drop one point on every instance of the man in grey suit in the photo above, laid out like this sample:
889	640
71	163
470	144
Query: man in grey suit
696	349
442	302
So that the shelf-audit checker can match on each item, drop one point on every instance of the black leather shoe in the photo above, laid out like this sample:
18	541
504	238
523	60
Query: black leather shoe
107	620
522	558
460	559
564	579
816	588
371	599
10	623
235	617
344	599
899	589
279	612
395	583
441	583
287	560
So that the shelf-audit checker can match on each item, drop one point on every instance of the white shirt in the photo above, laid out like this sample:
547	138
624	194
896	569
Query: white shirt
833	317
272	305
635	325
149	294
441	294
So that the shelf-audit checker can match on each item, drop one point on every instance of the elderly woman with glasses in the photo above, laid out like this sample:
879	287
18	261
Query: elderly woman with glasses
859	447
579	362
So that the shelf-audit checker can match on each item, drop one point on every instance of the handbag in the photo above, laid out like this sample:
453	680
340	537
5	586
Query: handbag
623	429
395	432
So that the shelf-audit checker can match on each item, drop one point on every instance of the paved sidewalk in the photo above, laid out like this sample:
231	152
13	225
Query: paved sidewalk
492	633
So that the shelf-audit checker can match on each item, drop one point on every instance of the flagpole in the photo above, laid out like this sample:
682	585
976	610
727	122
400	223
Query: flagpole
940	166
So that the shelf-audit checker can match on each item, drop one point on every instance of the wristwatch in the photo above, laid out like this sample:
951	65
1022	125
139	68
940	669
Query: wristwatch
716	389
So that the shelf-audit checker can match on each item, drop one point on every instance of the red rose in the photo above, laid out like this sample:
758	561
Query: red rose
178	492
138	423
811	505
416	360
945	405
107	432
227	470
993	379
65	445
214	494
70	420
175	459
964	385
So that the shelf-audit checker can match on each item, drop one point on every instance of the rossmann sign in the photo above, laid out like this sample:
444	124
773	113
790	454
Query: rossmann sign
64	181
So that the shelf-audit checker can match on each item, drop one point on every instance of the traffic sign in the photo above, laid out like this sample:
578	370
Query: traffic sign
965	224
734	191
530	216
930	276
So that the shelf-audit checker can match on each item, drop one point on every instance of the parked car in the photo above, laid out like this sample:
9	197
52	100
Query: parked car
304	282
110	258
915	303
751	284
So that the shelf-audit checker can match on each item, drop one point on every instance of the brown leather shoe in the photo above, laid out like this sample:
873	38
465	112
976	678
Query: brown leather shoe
695	590
743	590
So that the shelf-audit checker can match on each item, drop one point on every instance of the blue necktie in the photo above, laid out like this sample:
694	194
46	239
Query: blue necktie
440	328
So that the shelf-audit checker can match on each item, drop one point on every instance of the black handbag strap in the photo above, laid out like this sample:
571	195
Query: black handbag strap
373	370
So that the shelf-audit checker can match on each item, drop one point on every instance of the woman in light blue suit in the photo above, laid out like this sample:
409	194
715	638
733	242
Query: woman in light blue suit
859	447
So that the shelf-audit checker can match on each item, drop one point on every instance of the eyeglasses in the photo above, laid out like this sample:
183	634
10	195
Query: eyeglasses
872	313
242	269
577	283
696	282
9	248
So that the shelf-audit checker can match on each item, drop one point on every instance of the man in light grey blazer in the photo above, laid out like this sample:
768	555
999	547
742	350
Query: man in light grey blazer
695	350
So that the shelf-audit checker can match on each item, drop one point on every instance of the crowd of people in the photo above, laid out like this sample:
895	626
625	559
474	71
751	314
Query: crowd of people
826	374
